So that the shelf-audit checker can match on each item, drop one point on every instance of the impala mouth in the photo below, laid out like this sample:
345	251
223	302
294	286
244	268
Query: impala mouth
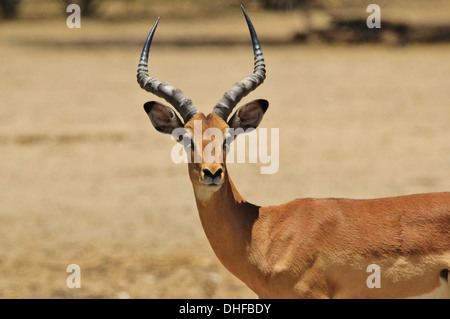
205	191
211	183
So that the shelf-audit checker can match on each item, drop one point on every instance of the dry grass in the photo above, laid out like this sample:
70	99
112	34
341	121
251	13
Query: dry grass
85	179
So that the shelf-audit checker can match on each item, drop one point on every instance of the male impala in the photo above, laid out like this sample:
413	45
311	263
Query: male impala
307	248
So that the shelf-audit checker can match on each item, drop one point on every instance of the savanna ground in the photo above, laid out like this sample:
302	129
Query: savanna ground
85	178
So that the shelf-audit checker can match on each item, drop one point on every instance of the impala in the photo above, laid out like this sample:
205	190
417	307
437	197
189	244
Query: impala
306	248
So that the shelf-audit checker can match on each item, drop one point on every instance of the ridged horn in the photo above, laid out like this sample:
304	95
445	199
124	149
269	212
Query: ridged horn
164	90
239	90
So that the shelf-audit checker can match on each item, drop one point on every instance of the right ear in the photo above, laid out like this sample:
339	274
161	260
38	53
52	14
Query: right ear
162	117
249	115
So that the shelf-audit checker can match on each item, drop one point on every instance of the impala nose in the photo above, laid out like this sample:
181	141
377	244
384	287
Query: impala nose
212	175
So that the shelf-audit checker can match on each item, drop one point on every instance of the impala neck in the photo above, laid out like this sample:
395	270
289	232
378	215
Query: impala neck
227	220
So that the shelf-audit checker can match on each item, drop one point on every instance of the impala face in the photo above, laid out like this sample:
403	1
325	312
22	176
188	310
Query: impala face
205	139
207	149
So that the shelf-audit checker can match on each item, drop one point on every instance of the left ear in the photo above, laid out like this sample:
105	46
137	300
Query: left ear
249	115
162	117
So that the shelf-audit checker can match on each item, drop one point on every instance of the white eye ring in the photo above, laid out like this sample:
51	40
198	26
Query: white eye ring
187	140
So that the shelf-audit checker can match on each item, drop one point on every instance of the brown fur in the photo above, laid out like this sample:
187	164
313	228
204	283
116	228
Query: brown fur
320	248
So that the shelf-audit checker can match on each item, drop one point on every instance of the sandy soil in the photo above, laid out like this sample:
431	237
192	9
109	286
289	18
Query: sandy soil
85	179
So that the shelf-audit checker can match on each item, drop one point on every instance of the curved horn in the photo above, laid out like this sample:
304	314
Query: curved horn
164	90
231	98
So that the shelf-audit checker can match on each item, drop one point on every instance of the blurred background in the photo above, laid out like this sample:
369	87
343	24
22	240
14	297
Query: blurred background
85	179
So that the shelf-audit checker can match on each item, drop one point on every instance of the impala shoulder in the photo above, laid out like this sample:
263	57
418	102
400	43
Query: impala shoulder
304	221
291	238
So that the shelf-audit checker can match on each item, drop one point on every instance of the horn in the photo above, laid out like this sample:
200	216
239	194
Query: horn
239	90
164	90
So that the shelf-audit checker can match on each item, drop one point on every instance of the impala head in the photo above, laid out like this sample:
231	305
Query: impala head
205	137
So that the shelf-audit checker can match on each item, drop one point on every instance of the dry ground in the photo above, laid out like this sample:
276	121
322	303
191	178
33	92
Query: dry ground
85	179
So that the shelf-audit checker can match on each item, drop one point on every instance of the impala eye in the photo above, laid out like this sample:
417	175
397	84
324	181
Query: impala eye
188	142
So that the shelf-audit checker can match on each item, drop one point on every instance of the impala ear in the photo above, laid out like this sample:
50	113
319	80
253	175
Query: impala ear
249	115
162	117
